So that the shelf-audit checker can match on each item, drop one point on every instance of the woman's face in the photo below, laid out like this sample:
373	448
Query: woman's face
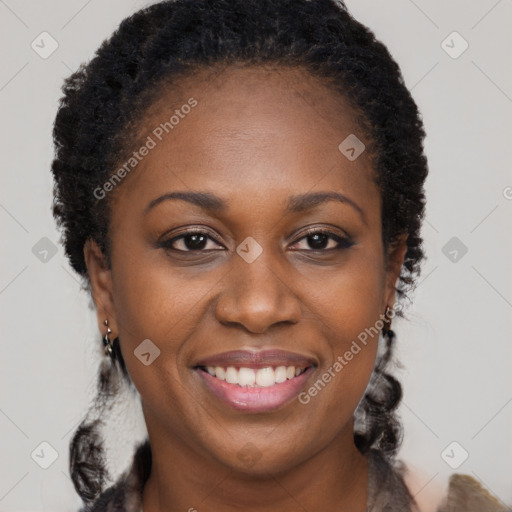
258	169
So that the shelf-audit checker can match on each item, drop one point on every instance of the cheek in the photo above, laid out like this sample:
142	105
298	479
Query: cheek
347	311
151	298
352	335
349	299
156	304
153	301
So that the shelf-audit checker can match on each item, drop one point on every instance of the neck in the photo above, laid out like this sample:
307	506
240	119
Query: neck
333	479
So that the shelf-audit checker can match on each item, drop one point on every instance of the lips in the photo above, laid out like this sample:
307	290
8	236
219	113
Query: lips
261	359
255	381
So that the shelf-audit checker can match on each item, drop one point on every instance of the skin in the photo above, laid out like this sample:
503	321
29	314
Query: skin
255	138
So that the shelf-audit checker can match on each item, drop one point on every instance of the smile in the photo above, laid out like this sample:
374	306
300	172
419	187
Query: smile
255	377
254	390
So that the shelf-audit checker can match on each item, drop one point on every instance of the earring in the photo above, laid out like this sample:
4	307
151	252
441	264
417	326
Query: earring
107	342
388	315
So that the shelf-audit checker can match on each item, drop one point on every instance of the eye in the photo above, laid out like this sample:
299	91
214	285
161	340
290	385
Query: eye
318	240
189	241
324	240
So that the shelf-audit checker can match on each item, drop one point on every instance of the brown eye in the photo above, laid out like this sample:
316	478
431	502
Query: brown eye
187	242
321	240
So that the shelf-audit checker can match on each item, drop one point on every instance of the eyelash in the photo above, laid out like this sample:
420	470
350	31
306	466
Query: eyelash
342	241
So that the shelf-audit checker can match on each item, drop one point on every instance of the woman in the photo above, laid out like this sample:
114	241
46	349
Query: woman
240	184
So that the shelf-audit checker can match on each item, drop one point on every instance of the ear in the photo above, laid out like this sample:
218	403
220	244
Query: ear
395	260
101	285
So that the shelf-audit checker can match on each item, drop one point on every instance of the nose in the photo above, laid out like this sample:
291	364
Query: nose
257	296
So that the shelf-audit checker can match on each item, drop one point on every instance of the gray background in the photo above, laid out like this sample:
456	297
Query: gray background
455	346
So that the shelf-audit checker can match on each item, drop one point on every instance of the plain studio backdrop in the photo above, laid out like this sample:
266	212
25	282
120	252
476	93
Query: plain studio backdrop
455	346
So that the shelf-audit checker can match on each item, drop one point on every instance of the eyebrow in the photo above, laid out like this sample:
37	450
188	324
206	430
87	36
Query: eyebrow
297	203
311	200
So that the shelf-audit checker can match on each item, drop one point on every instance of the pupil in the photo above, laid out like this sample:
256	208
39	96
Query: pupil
195	241
318	240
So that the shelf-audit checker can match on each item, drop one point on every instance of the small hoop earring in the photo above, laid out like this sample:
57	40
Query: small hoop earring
107	342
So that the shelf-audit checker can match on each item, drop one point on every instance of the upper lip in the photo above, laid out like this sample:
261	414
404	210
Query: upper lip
259	359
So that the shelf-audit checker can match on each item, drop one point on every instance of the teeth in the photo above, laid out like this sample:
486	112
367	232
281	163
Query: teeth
231	375
218	372
246	377
280	374
263	377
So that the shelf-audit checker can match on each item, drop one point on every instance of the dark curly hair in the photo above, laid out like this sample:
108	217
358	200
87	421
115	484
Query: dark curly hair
105	99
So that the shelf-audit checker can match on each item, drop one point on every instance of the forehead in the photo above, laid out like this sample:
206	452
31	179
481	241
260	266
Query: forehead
253	133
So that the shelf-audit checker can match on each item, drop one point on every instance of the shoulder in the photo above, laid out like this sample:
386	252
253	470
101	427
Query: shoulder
465	494
462	493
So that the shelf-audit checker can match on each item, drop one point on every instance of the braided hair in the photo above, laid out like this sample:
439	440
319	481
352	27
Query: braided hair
105	98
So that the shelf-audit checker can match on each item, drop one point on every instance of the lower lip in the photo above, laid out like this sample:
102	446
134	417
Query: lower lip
255	399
